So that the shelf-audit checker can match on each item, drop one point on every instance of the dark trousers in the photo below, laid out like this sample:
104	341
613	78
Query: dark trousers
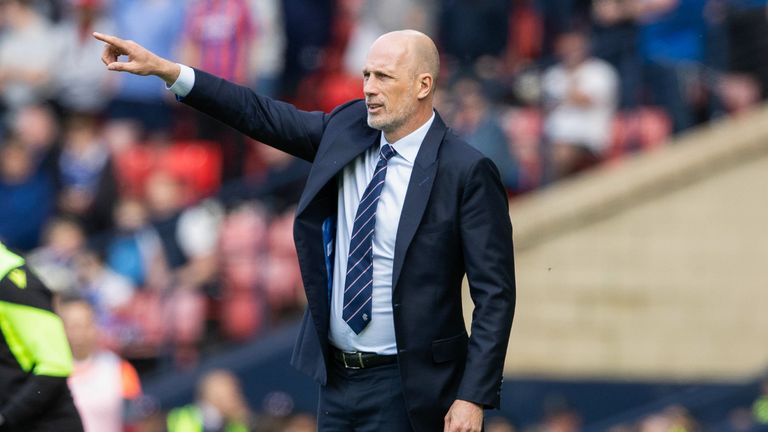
363	400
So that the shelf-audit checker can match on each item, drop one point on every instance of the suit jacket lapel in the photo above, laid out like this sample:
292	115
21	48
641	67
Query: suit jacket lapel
336	156
417	195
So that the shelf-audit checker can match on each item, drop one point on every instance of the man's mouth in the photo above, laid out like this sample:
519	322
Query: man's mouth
373	107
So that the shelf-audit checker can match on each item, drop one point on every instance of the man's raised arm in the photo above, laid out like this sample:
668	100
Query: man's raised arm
274	123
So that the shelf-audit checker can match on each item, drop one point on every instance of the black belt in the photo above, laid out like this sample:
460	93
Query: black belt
361	360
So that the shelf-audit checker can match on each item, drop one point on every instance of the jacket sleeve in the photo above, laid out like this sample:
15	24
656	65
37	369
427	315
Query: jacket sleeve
488	254
277	124
35	336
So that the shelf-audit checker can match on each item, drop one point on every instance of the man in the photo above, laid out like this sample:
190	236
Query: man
103	385
27	54
580	98
395	210
34	355
220	407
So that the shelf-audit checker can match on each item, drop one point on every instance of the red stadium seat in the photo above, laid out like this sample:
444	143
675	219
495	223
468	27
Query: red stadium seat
132	168
641	129
196	163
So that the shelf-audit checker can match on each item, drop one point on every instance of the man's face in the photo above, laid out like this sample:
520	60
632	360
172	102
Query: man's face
572	48
80	326
389	86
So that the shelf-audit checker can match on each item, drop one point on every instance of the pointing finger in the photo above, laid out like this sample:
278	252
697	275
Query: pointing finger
112	40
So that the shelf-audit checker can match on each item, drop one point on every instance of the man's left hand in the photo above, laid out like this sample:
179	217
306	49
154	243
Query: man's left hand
464	416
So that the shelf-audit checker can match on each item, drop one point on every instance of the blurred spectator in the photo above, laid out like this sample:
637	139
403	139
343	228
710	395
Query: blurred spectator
217	38
276	179
81	83
558	16
106	290
133	245
671	43
27	196
746	25
102	384
37	128
266	55
186	262
166	199
740	93
470	29
282	180
760	406
740	420
559	416
615	40
156	25
282	280
54	260
308	27
580	101
478	123
220	406
375	18
28	52
301	423
672	418
499	424
88	186
242	250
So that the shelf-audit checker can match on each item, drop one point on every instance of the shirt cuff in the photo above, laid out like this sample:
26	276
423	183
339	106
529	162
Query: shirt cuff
184	82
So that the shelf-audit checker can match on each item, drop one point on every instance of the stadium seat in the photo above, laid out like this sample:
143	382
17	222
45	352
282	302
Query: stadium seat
197	163
641	129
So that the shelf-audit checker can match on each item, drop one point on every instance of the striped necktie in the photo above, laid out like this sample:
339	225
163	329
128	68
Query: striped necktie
358	284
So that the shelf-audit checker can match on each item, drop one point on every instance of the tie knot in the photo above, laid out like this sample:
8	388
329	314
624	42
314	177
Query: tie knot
387	152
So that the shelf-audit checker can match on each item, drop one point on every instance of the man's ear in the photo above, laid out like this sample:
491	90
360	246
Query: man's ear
426	82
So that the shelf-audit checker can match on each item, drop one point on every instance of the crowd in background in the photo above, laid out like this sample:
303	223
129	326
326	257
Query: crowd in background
177	231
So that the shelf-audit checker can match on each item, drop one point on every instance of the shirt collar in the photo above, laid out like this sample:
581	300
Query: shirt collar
408	146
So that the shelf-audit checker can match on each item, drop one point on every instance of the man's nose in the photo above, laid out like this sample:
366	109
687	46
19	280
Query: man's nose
370	88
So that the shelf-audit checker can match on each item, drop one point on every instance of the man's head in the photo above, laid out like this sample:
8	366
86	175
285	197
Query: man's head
399	82
80	325
220	389
572	47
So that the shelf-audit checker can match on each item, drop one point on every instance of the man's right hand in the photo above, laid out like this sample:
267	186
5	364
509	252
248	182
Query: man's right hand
141	61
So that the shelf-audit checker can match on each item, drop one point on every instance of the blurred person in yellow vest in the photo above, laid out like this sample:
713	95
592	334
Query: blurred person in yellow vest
35	358
102	383
760	406
220	407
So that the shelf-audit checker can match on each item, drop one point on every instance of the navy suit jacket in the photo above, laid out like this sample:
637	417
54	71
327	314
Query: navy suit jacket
454	221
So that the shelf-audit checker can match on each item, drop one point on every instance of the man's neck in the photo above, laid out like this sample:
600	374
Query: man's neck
406	129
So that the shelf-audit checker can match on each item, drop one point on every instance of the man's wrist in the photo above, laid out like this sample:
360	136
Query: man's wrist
478	405
168	71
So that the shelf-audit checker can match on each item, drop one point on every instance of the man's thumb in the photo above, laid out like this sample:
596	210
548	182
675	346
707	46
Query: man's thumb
116	66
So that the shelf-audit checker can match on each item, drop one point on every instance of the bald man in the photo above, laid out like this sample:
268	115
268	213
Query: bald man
396	210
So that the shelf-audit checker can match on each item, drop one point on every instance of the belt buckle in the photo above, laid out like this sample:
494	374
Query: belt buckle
359	360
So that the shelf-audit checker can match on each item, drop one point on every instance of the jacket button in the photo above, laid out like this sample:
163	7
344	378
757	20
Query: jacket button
396	305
